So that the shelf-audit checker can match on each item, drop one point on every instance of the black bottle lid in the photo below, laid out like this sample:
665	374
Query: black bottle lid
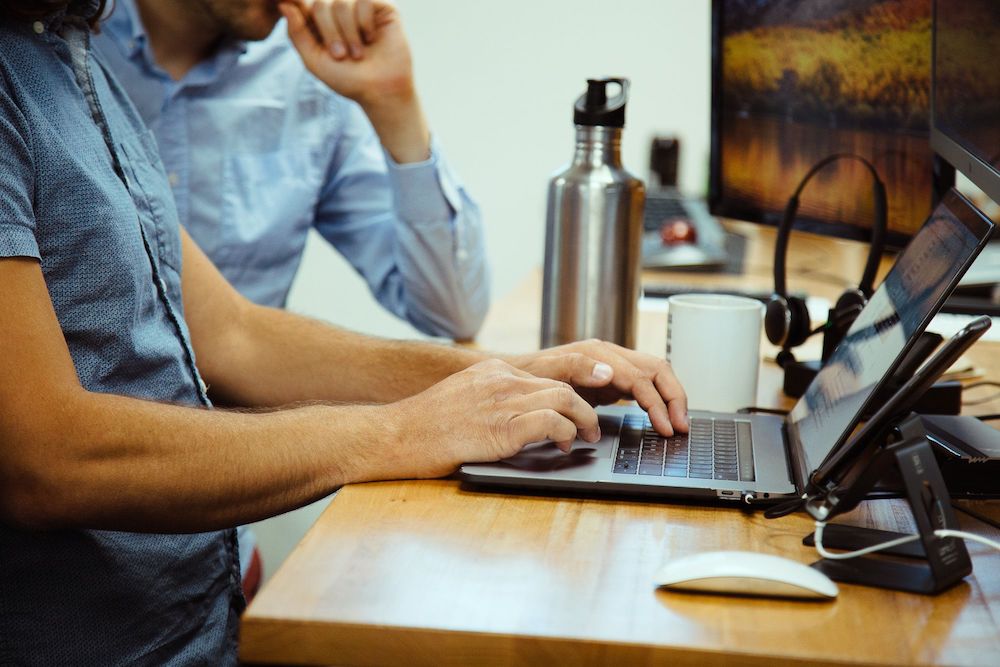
593	108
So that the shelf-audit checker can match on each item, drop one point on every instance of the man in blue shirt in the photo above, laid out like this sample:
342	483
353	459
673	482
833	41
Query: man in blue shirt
118	481
259	149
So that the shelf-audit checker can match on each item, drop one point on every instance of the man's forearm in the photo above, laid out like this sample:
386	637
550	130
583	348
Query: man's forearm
110	462
255	356
401	127
275	358
125	464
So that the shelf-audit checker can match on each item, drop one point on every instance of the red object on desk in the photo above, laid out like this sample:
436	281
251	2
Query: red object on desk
677	231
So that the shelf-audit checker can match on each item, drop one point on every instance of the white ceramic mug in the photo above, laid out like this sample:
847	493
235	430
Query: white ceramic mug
713	344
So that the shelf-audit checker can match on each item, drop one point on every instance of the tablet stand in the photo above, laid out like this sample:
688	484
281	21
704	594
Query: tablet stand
938	562
800	374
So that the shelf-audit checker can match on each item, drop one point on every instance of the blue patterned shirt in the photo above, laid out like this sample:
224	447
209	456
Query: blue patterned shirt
83	191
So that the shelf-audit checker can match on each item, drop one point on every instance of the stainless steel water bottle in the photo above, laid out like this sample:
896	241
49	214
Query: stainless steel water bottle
593	229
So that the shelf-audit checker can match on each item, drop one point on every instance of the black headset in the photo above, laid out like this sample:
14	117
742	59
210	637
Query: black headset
786	321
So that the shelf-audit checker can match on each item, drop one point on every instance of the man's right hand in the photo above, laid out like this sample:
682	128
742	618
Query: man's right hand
358	49
486	412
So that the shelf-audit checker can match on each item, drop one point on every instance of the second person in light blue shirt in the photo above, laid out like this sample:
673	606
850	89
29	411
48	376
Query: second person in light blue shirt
258	150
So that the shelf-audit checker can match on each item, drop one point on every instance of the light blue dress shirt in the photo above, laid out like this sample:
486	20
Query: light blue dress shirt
258	151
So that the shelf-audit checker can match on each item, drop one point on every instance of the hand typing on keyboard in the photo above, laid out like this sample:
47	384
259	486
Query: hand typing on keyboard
486	412
623	374
493	408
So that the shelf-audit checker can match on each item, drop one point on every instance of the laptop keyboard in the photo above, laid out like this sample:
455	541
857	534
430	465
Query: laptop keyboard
719	449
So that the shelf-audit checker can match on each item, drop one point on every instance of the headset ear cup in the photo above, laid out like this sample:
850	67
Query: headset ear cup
784	358
776	320
852	299
798	322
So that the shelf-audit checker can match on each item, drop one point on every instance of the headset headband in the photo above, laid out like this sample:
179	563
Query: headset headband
878	233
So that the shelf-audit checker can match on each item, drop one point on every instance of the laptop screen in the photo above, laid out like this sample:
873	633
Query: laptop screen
897	313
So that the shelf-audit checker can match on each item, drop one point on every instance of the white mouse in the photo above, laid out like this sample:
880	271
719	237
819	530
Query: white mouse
745	573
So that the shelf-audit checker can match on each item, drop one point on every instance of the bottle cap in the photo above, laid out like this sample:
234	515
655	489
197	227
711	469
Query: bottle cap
593	108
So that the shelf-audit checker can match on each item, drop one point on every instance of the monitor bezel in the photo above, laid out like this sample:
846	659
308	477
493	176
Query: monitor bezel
718	206
983	175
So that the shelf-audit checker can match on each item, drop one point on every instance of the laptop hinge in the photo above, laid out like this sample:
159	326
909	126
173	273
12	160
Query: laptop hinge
796	460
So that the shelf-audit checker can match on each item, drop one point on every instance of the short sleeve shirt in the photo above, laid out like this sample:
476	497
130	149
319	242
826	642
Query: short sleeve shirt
83	192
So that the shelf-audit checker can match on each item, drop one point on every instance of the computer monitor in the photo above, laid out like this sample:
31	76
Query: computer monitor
797	80
965	126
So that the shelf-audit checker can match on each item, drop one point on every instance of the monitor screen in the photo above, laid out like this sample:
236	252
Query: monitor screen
797	80
966	83
900	309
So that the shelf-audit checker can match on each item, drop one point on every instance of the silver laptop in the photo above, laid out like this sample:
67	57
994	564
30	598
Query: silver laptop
765	458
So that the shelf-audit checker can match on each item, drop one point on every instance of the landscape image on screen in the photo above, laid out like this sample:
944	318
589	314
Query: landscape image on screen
968	104
803	79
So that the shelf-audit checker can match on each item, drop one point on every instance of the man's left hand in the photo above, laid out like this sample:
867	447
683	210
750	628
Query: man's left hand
604	373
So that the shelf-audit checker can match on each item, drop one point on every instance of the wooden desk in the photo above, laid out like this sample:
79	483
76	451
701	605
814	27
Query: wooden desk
428	573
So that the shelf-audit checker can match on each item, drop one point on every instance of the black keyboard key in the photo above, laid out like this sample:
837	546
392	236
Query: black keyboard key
626	466
651	469
627	460
652	452
631	436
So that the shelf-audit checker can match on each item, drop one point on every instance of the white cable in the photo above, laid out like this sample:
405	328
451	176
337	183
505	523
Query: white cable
820	525
944	532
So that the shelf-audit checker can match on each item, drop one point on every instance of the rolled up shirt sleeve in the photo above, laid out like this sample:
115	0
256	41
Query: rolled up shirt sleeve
17	217
411	230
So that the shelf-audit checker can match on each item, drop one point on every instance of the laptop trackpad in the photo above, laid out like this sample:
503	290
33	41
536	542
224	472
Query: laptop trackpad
546	457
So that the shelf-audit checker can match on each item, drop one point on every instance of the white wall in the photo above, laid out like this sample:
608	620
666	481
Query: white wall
498	82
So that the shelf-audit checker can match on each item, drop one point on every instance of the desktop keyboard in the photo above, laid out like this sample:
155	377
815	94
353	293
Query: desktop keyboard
714	449
660	208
